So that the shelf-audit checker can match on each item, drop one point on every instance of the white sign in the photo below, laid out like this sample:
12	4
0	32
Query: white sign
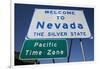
58	23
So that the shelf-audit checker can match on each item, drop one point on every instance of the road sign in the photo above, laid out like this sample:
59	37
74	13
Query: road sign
34	49
58	23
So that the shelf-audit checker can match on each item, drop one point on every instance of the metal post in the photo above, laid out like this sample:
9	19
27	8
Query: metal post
53	60
82	49
37	62
69	54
